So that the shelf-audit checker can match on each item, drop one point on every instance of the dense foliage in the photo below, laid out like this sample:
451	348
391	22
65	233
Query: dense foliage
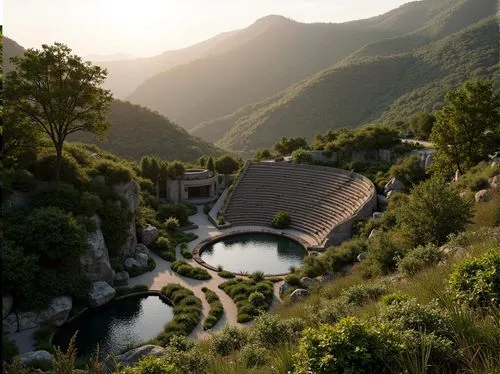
281	220
216	309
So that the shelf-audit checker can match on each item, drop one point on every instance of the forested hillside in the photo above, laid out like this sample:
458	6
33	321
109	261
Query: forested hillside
370	89
137	131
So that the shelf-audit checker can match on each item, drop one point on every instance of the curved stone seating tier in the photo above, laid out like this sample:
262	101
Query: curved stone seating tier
317	198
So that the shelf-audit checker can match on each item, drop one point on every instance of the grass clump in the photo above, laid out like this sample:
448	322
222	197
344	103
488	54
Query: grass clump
251	297
216	309
185	252
187	310
225	274
186	270
281	220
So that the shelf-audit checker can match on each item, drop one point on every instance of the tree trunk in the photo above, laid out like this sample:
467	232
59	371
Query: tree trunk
59	148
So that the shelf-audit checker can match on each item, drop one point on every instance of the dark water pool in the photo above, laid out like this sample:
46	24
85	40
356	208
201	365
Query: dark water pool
272	254
116	326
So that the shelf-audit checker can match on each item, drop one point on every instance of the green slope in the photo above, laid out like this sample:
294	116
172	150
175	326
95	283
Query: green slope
356	92
138	131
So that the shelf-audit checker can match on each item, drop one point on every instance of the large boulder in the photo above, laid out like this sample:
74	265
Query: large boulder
149	234
38	356
28	320
7	302
299	294
131	263
94	264
100	293
141	248
481	196
121	279
130	191
131	357
9	324
142	259
394	185
57	312
285	286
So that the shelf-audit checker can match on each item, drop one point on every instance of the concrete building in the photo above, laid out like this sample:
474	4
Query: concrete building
195	185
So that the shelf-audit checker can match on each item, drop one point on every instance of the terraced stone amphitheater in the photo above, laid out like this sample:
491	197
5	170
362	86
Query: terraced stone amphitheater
322	201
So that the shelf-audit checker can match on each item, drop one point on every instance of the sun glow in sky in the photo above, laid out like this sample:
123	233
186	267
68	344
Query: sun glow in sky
150	27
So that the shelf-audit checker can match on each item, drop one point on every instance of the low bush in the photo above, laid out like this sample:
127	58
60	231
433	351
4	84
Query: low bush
171	223
363	293
192	209
187	311
257	276
149	365
229	340
240	290
216	309
185	252
271	330
350	346
225	274
293	280
206	208
136	271
419	258
476	282
9	348
186	270
336	258
164	249
382	256
179	211
253	355
114	172
281	220
479	183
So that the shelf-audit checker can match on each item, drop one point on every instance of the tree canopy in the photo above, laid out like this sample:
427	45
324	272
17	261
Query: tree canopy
421	124
226	165
467	128
58	94
285	146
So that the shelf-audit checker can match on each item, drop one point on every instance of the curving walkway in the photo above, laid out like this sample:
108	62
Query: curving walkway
163	274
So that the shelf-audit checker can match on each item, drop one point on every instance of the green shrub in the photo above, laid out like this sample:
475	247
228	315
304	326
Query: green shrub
114	172
9	348
272	330
336	258
184	269
18	180
363	293
382	256
185	252
171	223
179	211
476	282
240	291
187	310
253	355
115	226
225	274
149	365
164	249
257	276
479	183
146	185
313	266
257	299
136	271
216	309
420	258
350	346
281	220
293	280
229	340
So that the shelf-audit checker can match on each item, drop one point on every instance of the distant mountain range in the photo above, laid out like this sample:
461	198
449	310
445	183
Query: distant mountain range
113	57
135	130
245	88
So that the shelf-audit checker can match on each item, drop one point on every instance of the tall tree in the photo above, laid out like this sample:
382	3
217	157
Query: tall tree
285	146
226	165
467	128
58	93
211	164
421	124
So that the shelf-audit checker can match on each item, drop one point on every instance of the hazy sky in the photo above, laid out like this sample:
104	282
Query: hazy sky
149	27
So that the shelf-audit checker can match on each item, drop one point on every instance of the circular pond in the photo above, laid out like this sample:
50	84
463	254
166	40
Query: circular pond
249	252
116	325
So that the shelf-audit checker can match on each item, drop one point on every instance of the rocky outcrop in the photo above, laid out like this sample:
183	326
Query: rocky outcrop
17	199
9	324
38	356
131	263
394	185
95	265
7	302
121	279
481	196
55	314
131	357
141	248
100	293
299	294
142	259
149	234
130	192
